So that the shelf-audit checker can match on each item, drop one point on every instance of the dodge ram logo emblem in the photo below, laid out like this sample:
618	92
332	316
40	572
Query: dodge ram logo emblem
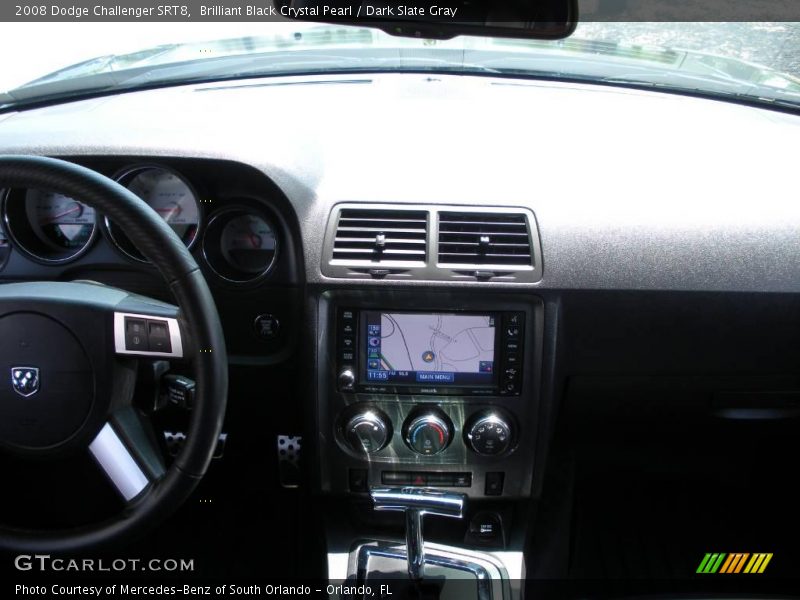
25	380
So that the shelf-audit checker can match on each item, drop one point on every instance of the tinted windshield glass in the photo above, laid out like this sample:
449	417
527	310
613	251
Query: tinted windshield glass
759	61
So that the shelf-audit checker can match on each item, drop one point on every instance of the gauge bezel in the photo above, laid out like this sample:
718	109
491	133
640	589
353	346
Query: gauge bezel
5	250
22	239
225	214
124	177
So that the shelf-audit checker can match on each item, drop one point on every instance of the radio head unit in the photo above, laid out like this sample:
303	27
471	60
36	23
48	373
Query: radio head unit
413	352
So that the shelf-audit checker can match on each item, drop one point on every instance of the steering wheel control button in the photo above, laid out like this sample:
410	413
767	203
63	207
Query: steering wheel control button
158	336
140	334
267	327
489	433
428	432
136	337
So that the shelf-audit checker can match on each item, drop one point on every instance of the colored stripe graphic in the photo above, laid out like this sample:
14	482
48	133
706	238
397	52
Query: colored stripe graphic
721	562
734	563
711	562
758	563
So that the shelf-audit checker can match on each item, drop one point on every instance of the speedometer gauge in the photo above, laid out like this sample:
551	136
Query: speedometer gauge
59	221
168	194
240	244
48	226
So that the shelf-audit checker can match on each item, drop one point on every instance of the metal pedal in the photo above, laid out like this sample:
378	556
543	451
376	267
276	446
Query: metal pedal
289	447
174	441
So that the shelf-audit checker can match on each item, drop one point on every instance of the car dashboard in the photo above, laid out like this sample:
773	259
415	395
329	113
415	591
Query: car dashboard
553	255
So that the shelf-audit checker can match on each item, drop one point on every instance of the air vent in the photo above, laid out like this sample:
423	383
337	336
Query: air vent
366	236
484	239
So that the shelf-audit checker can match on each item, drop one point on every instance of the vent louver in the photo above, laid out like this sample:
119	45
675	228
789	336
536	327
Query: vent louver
381	237
484	239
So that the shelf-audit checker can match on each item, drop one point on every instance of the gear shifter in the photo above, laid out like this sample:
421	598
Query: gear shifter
416	503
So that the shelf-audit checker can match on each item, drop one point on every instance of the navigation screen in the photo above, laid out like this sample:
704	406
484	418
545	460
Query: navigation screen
430	348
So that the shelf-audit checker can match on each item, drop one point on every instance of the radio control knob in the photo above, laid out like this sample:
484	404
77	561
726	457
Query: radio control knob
428	432
347	380
368	431
489	433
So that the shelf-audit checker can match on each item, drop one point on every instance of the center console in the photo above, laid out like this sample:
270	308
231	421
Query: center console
420	388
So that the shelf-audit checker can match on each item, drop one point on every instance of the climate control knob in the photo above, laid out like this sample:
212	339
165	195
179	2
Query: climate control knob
368	431
428	432
489	433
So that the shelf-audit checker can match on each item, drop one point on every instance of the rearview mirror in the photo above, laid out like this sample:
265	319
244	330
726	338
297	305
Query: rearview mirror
530	19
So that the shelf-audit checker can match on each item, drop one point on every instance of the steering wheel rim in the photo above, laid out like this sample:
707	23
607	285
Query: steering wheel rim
200	325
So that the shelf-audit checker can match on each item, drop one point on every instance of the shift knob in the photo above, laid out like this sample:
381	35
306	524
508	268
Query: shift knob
416	503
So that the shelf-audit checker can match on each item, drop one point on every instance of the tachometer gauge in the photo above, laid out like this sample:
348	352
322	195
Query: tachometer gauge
48	226
240	244
167	193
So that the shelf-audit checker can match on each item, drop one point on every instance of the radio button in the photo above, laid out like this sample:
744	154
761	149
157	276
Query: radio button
348	342
347	380
516	318
512	359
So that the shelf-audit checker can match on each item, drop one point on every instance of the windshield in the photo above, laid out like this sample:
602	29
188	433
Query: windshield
759	62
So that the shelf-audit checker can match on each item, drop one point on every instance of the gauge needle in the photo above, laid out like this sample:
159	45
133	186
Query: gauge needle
255	240
77	208
168	213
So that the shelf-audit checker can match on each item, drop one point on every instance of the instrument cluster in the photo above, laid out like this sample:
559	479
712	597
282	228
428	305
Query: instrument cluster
239	241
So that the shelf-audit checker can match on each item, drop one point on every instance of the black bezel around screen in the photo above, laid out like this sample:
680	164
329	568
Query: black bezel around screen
458	383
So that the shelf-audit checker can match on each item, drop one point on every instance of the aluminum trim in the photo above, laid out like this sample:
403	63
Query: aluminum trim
174	335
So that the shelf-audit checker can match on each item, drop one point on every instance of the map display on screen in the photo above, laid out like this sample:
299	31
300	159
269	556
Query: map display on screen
430	348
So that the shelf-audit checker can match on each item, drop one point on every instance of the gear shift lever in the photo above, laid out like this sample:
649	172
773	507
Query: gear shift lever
416	503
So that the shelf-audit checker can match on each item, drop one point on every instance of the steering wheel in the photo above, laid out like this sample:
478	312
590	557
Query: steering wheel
68	354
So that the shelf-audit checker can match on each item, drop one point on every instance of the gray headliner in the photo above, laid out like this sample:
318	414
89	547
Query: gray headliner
631	189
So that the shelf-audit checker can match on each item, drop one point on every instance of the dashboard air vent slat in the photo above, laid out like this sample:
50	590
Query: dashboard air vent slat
484	239
378	236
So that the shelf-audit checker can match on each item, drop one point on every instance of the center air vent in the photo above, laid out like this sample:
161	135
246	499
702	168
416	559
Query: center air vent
484	239
381	237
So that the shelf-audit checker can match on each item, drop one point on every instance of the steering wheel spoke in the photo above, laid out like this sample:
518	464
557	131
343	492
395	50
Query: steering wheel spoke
127	451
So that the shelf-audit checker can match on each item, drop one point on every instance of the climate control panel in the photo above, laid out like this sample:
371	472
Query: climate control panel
426	431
